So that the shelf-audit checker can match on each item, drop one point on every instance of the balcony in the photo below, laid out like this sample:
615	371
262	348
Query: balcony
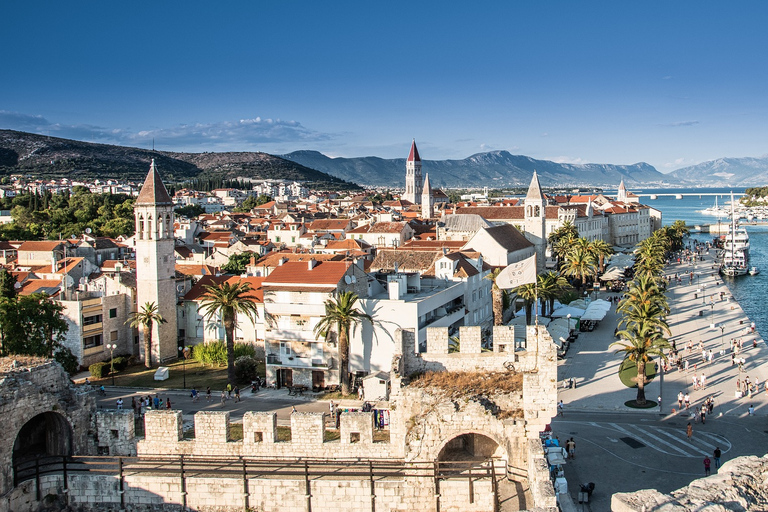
280	333
282	308
444	317
299	362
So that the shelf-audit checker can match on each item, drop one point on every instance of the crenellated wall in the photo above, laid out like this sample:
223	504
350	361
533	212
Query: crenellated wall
212	436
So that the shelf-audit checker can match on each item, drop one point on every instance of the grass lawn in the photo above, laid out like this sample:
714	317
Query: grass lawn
197	375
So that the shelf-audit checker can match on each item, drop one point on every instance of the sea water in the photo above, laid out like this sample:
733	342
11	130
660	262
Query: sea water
745	289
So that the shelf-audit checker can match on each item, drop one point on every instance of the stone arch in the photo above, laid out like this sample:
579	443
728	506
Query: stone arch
471	446
48	433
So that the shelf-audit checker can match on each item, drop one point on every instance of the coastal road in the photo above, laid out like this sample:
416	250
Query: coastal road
624	453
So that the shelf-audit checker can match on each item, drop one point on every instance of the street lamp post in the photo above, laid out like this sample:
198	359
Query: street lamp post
112	347
722	331
712	315
183	365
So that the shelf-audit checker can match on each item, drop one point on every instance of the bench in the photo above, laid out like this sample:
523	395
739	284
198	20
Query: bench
296	390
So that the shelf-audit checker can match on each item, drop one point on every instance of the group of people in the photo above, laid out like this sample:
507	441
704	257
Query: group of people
144	403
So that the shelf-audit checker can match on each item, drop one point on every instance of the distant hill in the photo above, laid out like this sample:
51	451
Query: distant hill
726	172
39	155
493	169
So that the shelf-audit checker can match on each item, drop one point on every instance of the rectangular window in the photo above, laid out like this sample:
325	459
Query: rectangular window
113	313
93	341
113	336
90	320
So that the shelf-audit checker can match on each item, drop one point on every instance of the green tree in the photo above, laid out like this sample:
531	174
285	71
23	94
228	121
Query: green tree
144	319
226	301
601	250
551	287
340	316
579	264
527	292
190	211
32	325
237	263
640	344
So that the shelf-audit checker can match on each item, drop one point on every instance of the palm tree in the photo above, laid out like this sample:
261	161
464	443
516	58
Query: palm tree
527	292
551	285
651	253
145	318
639	344
498	302
340	316
229	300
580	264
644	289
562	247
601	249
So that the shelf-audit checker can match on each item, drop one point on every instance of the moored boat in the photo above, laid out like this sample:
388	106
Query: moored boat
754	271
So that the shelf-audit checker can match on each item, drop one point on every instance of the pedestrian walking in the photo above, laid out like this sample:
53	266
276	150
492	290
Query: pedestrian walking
229	390
687	401
570	445
119	404
686	366
703	381
223	397
194	395
237	393
156	401
134	406
560	408
716	455
707	464
680	401
751	410
208	394
168	403
695	382
689	430
703	415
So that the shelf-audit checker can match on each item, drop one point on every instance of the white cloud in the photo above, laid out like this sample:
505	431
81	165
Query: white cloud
680	123
566	160
677	163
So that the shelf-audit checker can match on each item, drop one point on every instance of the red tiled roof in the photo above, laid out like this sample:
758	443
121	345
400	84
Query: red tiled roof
40	285
40	246
295	272
198	290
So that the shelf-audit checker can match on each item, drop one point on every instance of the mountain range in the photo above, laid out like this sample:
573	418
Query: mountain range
503	169
44	156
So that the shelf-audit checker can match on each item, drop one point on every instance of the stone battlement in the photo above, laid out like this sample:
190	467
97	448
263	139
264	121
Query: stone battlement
260	436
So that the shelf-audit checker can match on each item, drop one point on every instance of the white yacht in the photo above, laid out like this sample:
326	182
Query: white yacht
736	239
736	249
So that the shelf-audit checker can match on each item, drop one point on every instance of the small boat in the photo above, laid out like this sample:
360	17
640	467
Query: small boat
678	196
754	271
733	270
653	197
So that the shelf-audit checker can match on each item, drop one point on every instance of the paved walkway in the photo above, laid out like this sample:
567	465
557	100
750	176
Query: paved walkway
695	305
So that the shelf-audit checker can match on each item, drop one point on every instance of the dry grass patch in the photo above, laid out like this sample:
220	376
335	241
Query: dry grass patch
461	384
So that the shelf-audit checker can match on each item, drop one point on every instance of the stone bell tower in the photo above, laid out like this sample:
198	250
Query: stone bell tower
536	221
156	263
413	176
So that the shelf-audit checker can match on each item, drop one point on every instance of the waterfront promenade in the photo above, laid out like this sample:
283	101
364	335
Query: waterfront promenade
695	306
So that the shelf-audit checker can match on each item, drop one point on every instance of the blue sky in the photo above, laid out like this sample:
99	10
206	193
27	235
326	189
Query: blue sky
668	83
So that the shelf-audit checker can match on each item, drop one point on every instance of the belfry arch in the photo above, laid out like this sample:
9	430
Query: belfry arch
471	446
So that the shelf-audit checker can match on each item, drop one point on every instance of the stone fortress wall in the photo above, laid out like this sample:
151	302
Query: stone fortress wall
424	425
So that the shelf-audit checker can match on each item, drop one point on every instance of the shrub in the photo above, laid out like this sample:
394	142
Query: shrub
246	369
121	363
99	370
67	360
214	353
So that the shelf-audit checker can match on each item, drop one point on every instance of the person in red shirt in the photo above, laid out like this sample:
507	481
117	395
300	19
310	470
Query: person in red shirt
707	464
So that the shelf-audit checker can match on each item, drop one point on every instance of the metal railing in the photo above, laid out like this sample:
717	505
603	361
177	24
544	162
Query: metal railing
241	468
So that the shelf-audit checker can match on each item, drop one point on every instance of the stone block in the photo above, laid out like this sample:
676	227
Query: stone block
437	340
356	427
212	427
163	426
308	428
259	427
471	339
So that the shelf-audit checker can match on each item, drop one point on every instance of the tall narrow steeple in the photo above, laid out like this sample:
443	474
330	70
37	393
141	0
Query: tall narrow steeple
621	194
156	264
535	220
427	201
413	176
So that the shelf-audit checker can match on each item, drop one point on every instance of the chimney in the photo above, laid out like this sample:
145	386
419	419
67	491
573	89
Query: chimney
311	263
281	261
253	260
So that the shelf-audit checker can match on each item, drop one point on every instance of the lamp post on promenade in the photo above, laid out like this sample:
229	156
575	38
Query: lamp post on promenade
722	331
183	365
112	347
